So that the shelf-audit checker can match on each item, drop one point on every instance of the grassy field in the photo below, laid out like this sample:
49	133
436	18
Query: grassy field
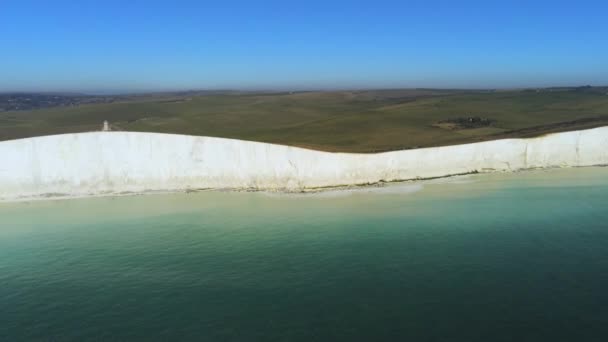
349	121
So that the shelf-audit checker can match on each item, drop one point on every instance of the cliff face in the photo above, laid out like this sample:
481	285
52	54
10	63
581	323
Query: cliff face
116	162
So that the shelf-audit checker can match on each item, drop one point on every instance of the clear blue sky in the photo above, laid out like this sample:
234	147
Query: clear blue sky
107	46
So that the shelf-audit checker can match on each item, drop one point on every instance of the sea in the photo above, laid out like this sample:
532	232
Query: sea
493	257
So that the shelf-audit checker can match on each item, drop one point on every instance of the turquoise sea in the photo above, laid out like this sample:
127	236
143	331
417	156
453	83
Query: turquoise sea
504	257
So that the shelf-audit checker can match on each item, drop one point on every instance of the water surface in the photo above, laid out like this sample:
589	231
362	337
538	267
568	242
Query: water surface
506	257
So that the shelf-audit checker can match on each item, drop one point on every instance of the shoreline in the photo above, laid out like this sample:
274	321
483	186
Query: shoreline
306	192
112	164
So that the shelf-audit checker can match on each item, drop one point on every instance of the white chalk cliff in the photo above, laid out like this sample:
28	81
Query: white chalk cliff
101	163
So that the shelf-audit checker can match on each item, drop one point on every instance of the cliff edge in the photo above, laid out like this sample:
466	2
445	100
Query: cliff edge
102	163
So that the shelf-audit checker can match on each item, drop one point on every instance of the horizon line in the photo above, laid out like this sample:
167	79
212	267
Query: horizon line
280	89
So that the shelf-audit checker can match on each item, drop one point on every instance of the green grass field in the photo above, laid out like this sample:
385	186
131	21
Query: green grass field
349	121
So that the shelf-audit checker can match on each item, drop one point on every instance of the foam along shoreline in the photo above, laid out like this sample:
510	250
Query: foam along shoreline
115	163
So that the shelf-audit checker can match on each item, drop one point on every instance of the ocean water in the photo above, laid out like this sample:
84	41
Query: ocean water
506	257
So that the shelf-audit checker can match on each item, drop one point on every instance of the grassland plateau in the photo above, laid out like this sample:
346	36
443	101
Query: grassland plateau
346	121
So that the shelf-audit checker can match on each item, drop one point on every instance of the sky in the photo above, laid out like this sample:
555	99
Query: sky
133	46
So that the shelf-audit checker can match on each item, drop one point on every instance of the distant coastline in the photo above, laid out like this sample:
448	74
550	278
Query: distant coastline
120	163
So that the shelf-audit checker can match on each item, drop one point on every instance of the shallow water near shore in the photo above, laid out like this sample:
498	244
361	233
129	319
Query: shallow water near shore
500	257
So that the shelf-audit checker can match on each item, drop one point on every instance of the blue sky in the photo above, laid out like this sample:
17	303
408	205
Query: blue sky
115	46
